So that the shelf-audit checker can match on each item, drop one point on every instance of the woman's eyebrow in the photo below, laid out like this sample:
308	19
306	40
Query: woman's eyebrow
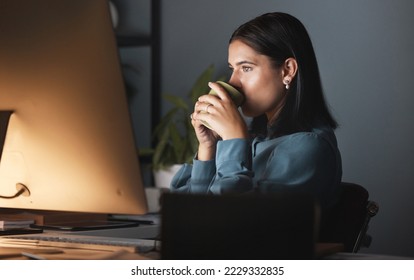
243	62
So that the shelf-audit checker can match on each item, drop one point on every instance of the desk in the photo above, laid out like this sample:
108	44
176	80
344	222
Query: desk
150	232
323	251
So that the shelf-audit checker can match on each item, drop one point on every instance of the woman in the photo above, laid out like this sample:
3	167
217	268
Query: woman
290	143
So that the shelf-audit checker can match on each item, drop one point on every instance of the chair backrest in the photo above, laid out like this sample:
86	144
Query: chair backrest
277	226
348	222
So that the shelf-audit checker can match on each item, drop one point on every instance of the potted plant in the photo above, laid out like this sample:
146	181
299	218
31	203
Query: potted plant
175	139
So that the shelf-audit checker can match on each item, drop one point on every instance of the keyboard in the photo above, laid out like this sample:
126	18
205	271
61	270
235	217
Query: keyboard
68	241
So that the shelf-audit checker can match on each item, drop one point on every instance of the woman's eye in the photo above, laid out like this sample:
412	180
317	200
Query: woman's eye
247	68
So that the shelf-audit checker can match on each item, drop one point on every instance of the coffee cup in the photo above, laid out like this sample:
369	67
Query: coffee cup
236	96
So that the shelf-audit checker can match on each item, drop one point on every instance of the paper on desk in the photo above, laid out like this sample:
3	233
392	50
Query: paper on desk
16	253
18	243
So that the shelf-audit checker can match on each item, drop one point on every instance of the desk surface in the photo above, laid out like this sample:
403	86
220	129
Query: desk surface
140	232
323	250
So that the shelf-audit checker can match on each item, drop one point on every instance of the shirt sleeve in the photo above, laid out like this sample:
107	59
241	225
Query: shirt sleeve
229	172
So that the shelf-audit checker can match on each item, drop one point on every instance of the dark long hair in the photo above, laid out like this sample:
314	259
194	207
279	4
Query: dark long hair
281	36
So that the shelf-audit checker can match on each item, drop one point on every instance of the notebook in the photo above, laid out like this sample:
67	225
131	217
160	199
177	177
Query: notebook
254	226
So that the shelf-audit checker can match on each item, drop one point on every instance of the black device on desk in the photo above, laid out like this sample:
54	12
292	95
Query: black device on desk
19	231
271	226
85	225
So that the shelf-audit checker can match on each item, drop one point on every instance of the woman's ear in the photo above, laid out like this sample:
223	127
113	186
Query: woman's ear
290	68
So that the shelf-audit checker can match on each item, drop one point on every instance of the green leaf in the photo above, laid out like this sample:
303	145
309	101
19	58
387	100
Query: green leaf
165	123
145	152
159	154
177	143
200	87
177	101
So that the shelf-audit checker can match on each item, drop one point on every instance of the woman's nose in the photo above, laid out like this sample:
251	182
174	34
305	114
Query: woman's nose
234	81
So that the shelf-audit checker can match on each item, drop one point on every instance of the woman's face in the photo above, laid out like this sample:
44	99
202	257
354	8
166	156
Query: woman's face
255	75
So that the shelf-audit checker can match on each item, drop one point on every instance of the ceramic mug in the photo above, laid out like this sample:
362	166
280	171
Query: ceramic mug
236	96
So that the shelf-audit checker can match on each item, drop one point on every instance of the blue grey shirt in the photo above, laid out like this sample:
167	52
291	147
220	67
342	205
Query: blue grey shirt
302	161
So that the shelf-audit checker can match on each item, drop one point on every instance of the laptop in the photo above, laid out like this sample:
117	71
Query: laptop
255	226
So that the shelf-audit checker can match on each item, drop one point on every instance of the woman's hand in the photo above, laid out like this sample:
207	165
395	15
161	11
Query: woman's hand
222	116
207	138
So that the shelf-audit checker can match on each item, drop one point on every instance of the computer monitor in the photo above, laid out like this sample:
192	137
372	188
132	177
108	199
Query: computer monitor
69	138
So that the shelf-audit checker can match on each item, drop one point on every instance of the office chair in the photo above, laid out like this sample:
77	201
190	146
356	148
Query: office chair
348	222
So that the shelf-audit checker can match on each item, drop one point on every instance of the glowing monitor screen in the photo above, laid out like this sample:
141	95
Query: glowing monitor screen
69	138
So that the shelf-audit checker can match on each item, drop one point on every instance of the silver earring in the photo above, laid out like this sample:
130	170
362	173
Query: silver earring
286	82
